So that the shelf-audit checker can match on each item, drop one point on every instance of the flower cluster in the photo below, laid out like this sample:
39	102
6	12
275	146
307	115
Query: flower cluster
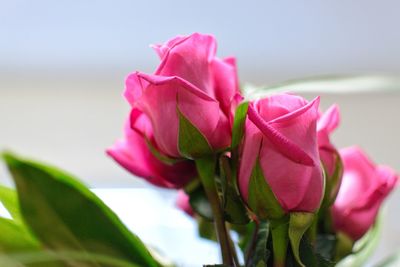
272	158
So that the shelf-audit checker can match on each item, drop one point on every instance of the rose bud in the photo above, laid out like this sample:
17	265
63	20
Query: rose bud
182	202
328	153
191	95
134	154
364	187
280	148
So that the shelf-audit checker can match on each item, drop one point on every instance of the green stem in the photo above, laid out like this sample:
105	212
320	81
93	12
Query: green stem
280	240
206	169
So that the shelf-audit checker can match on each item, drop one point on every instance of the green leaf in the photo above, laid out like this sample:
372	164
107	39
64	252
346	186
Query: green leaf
325	246
16	238
261	254
9	199
206	229
299	222
238	124
235	211
200	204
262	200
50	258
192	143
65	215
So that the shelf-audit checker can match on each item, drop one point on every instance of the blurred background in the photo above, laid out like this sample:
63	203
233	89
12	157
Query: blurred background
63	65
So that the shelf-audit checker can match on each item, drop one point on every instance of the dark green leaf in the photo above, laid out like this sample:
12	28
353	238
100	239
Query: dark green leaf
53	258
65	215
262	200
199	202
261	254
235	211
238	124
206	229
192	144
325	246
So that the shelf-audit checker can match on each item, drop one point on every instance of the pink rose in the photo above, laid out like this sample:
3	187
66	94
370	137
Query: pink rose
364	187
133	153
192	81
280	135
182	202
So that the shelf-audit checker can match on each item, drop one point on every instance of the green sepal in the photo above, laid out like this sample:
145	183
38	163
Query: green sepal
191	142
299	222
238	124
161	157
332	183
261	200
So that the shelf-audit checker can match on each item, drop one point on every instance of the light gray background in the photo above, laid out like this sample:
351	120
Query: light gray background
63	63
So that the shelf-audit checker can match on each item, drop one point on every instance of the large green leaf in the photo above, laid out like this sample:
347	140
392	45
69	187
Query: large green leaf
48	258
65	215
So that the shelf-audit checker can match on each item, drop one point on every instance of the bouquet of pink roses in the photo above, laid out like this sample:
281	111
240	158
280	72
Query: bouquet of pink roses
264	169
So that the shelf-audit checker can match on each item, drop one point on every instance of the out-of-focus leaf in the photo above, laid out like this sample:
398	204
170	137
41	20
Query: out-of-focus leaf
9	198
325	246
326	84
199	202
65	215
392	261
206	229
364	247
49	258
15	237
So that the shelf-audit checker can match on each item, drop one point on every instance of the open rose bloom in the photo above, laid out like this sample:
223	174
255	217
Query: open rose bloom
269	165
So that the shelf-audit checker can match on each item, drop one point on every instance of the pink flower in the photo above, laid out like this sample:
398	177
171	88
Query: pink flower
364	187
182	202
281	135
192	80
133	153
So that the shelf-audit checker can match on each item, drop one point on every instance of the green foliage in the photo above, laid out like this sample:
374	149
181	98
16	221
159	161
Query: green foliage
235	211
66	216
